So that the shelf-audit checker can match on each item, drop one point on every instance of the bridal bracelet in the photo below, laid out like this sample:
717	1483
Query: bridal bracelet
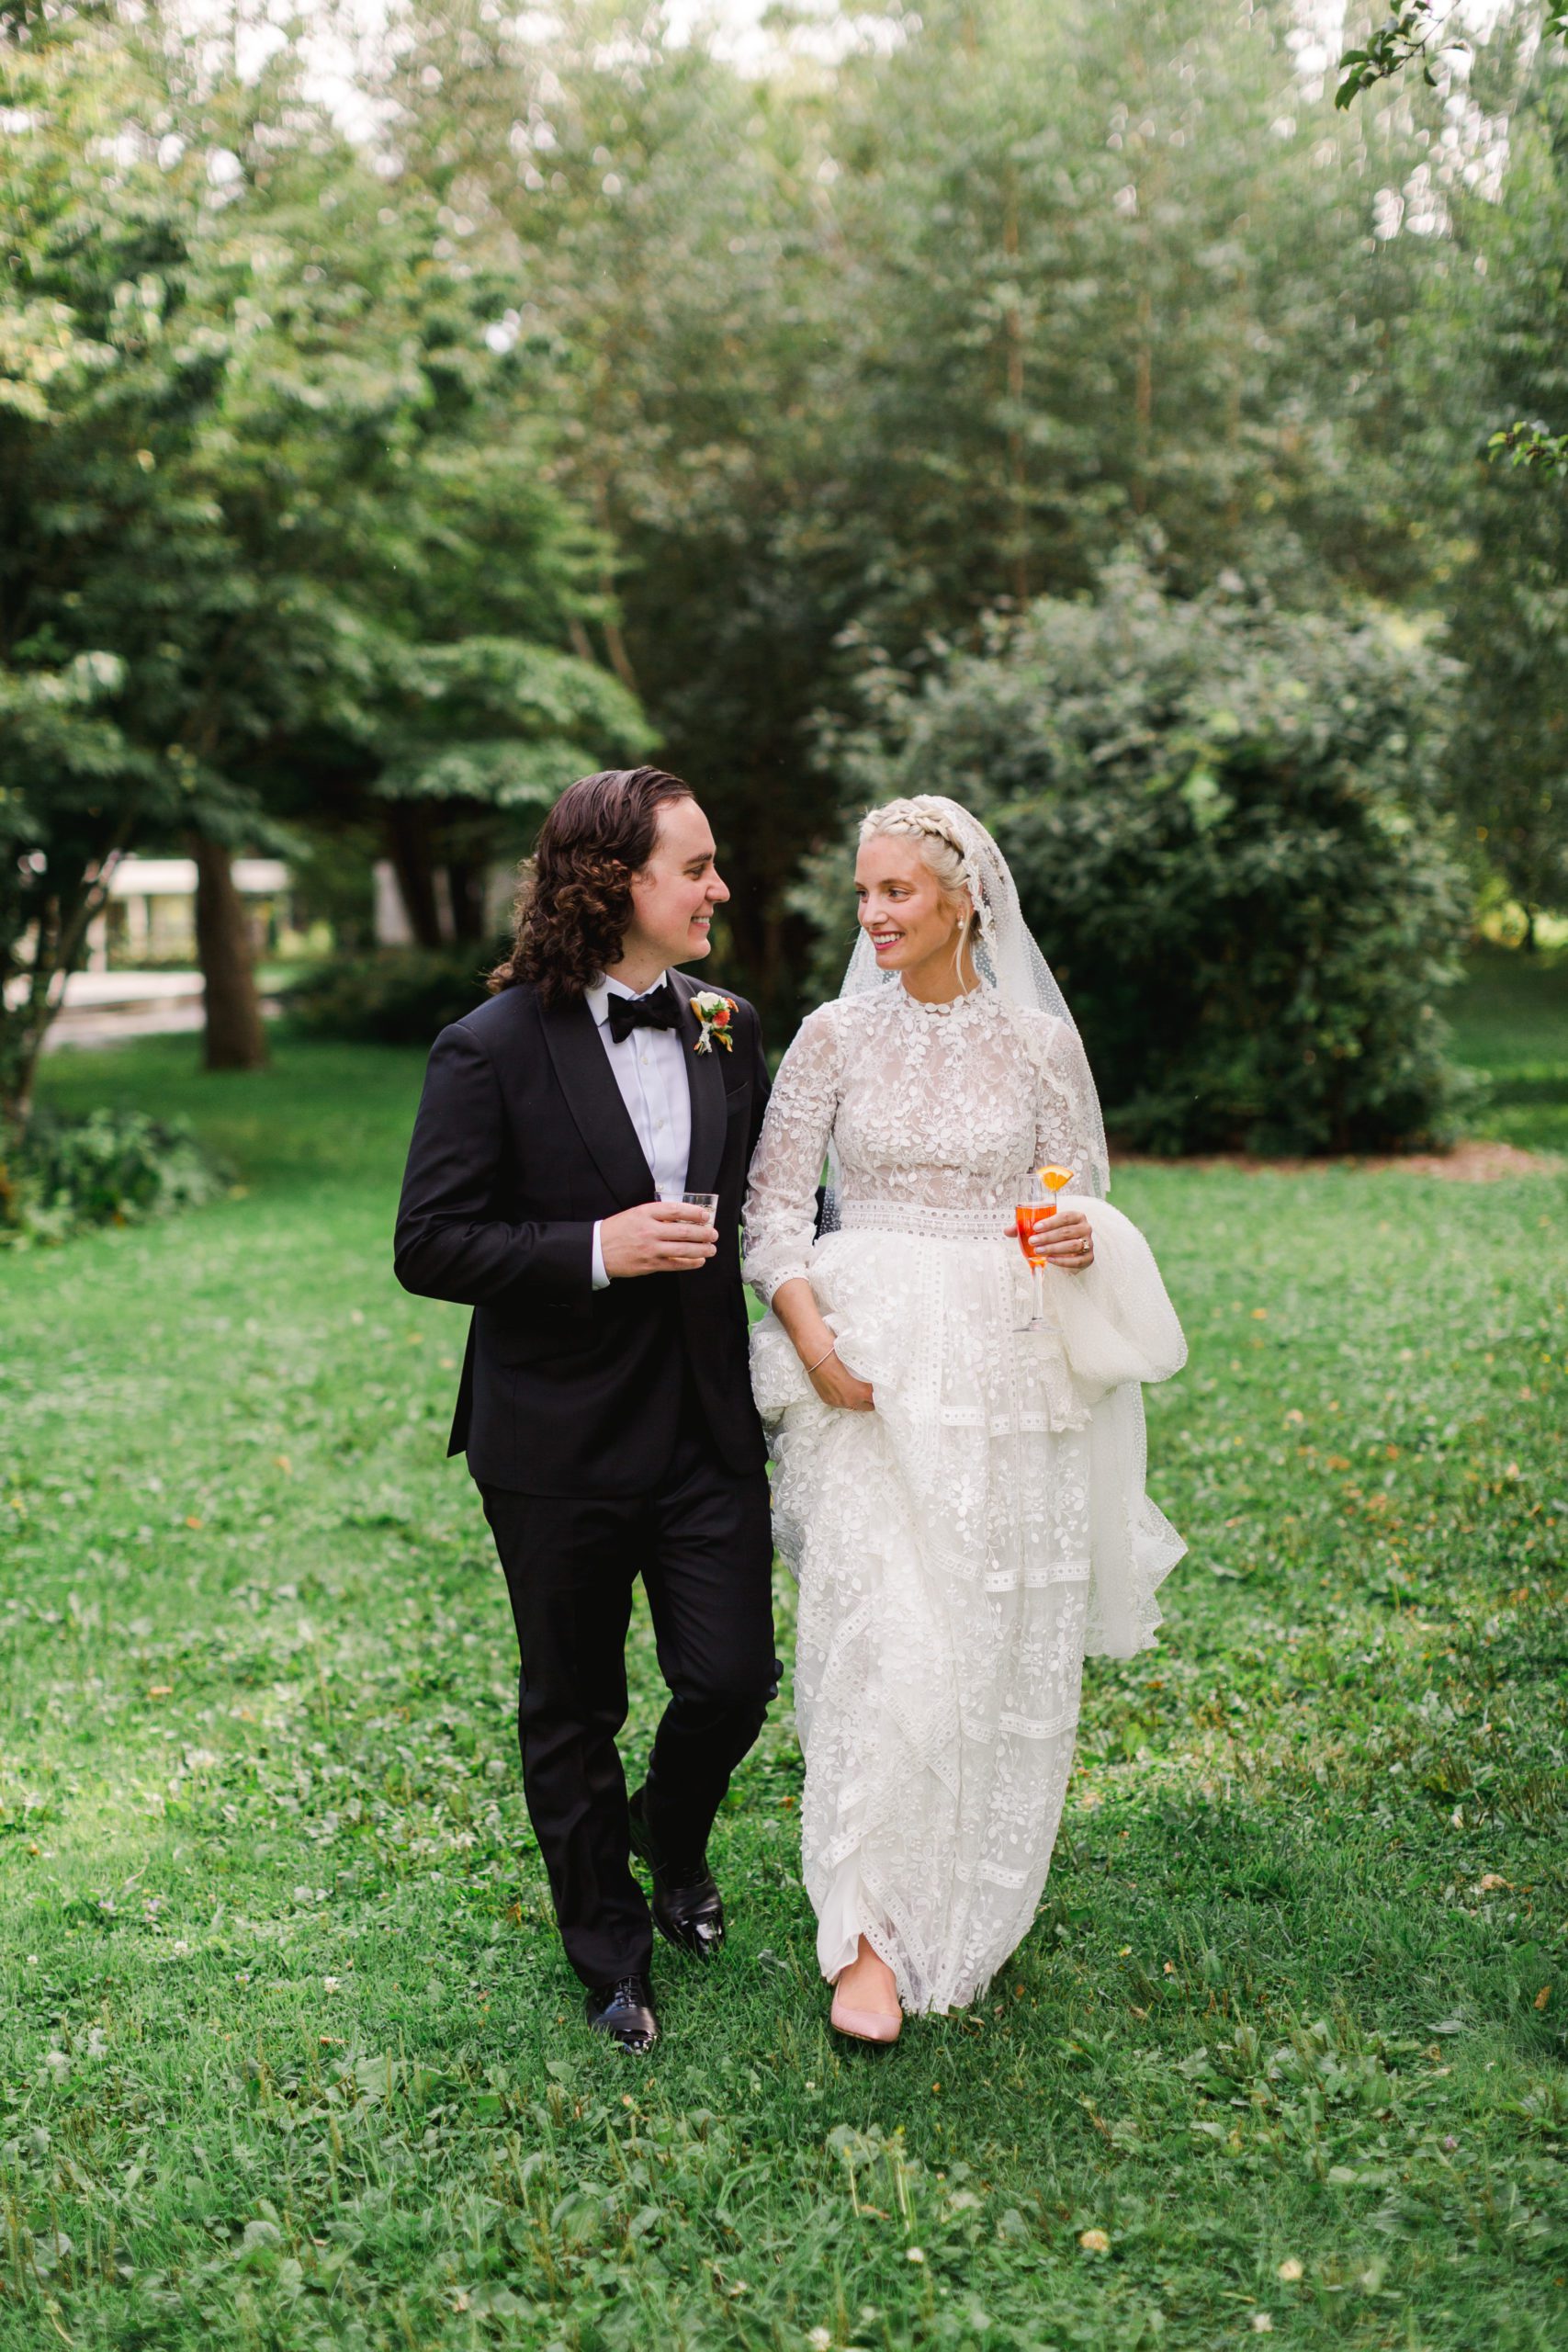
821	1359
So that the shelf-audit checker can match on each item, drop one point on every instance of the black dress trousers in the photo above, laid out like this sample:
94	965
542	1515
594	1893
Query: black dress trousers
700	1540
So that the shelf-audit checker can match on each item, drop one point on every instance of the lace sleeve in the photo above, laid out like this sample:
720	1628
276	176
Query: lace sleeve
1068	1127
781	1202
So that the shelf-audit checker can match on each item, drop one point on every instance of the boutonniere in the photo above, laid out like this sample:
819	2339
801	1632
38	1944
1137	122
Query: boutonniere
714	1015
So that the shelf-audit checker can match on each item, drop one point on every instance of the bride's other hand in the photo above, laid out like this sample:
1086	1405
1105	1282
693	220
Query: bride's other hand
812	1339
1067	1240
836	1386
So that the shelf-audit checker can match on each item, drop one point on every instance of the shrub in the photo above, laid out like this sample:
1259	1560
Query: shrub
1224	826
402	996
112	1168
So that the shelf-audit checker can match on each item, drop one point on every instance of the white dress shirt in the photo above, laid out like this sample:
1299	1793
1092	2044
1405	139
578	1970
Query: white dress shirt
651	1071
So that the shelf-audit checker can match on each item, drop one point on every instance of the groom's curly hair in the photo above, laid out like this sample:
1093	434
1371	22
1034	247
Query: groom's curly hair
574	896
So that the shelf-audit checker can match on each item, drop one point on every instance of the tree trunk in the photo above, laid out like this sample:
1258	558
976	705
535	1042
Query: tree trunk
234	1038
408	839
465	885
61	930
1013	329
615	643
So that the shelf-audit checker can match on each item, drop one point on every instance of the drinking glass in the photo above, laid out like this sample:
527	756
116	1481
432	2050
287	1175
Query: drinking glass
706	1202
1038	1204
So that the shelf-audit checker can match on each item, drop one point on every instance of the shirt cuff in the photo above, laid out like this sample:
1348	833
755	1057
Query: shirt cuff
601	1279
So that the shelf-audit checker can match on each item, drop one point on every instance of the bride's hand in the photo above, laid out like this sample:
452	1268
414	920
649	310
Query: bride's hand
836	1386
1065	1240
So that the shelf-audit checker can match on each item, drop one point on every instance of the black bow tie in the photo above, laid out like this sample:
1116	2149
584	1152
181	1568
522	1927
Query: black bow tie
657	1010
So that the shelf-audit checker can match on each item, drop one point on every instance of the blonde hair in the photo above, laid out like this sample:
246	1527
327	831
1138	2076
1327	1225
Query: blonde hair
925	821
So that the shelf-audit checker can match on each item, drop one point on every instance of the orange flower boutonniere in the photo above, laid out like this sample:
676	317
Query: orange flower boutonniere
714	1013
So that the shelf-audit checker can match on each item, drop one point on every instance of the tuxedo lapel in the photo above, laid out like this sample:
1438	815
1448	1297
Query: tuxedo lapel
593	1097
705	1078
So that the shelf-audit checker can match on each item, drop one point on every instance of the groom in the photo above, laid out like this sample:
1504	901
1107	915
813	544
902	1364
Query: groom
604	1405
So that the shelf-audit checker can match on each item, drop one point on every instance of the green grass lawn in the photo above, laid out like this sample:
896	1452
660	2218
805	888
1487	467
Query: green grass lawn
1510	1022
290	2057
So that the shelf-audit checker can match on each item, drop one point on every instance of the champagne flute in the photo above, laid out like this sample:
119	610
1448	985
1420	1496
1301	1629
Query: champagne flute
1030	1214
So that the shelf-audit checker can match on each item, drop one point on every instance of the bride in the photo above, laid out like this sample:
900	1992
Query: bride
962	1500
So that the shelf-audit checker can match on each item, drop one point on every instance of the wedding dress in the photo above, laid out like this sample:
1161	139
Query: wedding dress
959	1548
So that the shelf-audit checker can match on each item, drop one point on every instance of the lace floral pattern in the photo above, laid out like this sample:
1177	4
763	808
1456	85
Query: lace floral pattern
944	1543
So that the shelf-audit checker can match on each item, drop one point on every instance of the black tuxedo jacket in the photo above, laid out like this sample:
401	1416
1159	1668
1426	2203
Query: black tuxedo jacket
521	1143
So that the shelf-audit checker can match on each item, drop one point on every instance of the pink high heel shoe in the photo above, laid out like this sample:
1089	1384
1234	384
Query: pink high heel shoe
864	2025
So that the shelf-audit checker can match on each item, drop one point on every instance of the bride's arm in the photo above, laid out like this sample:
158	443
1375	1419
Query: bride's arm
1119	1324
780	1204
1067	1134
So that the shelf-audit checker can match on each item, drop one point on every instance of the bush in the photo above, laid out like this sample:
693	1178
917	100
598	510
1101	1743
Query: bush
1224	826
401	996
112	1168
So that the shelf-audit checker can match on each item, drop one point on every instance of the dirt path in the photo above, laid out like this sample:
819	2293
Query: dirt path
1474	1163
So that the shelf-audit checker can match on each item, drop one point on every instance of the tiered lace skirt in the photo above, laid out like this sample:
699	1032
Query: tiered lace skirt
942	1544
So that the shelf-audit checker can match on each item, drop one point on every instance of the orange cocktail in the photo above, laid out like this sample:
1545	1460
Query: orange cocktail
1030	1216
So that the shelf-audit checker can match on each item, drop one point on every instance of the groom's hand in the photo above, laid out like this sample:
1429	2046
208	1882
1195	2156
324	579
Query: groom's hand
657	1238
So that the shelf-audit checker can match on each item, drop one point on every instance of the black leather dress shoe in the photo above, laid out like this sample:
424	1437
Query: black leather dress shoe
624	2013
688	1909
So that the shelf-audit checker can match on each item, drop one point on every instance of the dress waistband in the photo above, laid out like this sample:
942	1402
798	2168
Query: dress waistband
917	1216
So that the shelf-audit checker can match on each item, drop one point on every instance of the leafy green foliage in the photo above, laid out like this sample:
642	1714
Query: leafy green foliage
278	540
399	997
1506	346
290	2055
861	354
1225	828
1416	31
1412	33
1529	445
113	1167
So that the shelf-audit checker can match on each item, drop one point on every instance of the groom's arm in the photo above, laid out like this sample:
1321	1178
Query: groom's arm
450	1244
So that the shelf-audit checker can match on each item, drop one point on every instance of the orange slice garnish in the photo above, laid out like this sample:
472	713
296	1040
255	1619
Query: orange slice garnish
1054	1178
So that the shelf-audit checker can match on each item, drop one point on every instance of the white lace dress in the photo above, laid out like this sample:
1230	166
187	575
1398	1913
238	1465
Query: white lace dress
959	1548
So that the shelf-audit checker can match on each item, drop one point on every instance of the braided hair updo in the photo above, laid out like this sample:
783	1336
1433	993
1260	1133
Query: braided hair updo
925	821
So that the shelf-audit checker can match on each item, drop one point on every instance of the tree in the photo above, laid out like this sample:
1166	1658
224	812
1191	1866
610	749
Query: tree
91	394
260	478
1226	825
852	356
1416	32
652	211
1507	599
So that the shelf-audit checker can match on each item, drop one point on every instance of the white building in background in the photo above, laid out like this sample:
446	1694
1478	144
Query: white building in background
150	915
